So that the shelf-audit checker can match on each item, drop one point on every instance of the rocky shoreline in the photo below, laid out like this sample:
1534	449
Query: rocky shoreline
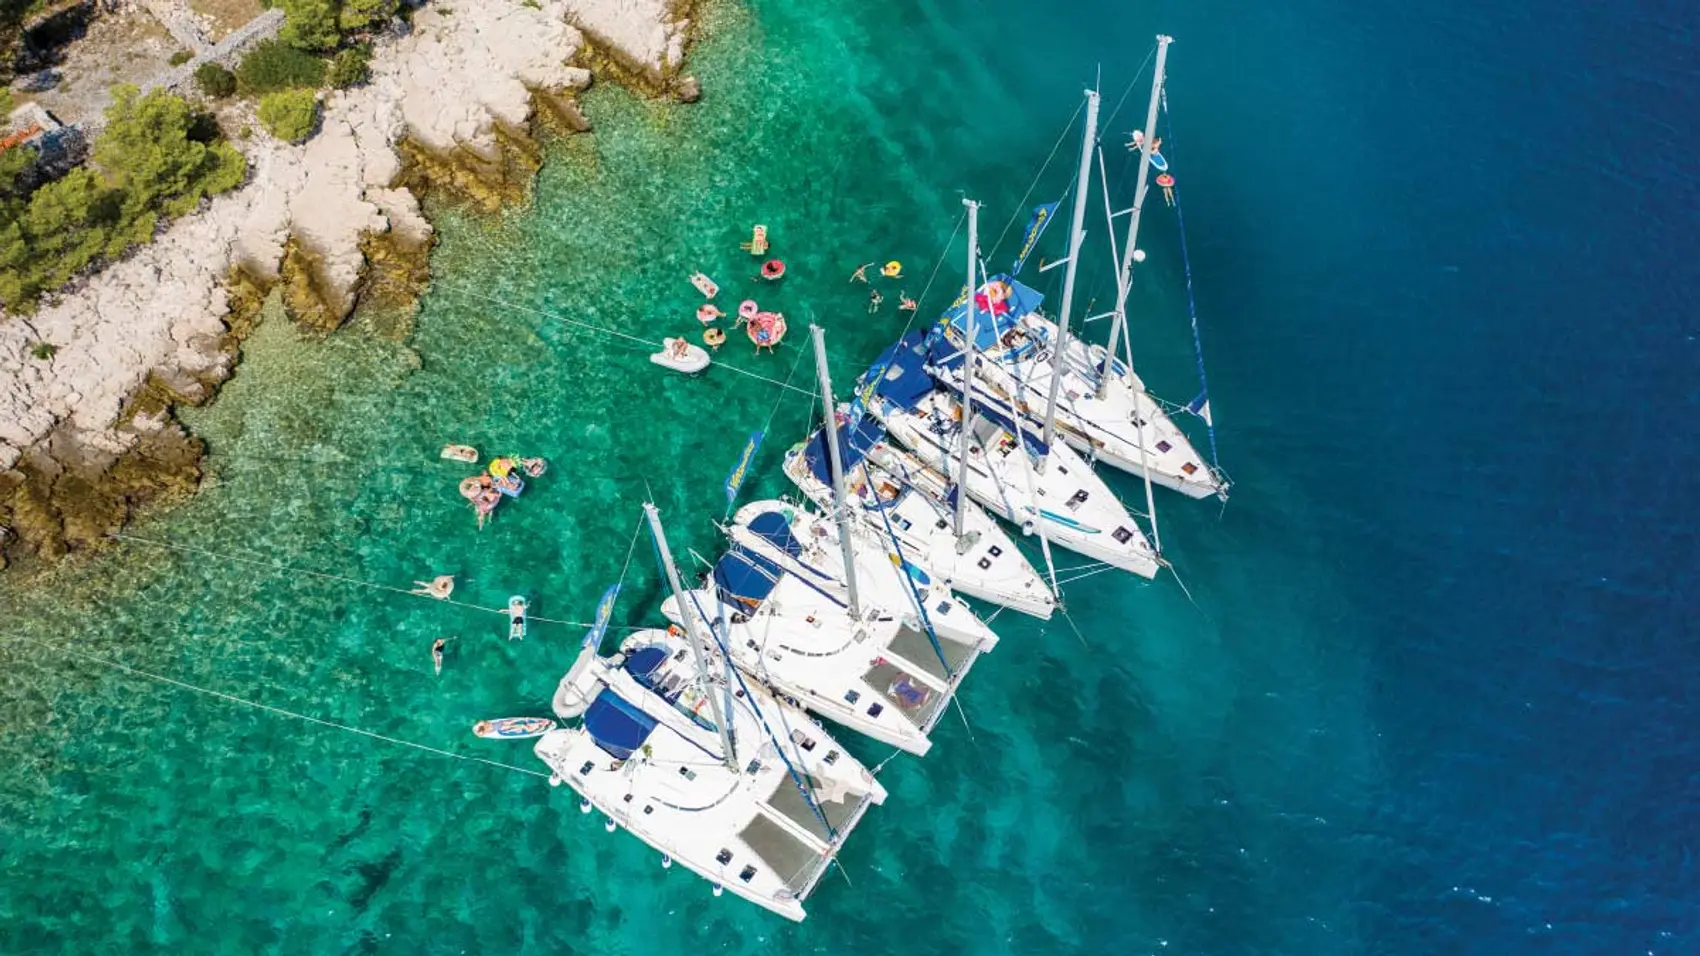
454	107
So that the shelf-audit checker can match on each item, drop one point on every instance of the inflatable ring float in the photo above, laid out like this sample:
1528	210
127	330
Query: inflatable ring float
892	269
470	488
1166	181
747	309
772	269
714	338
708	312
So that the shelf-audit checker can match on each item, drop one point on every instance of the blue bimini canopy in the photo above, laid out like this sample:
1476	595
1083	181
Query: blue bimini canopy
1000	304
642	663
617	725
854	441
899	375
775	527
745	579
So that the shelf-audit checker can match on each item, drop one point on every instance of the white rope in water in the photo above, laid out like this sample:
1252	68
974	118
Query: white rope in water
190	549
232	698
647	343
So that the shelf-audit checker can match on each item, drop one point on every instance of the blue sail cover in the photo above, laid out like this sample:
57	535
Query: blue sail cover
899	375
854	440
773	526
617	725
991	318
744	578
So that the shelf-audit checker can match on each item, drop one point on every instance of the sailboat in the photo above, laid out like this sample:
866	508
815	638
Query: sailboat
867	658
711	770
1040	487
896	495
803	543
1085	392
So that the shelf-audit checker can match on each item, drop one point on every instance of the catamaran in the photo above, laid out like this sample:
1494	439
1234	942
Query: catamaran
1041	486
1085	391
804	544
895	494
739	788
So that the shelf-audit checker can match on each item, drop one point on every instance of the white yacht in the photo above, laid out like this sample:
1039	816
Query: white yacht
895	495
875	671
758	804
1016	476
1125	427
807	545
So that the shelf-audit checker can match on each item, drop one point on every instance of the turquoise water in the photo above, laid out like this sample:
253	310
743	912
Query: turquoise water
1294	760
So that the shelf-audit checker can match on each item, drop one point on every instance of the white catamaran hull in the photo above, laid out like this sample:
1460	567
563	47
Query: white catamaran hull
1077	510
912	495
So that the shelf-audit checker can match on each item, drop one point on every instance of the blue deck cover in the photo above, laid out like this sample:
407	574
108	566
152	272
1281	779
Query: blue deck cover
900	375
776	529
617	725
989	325
642	663
744	578
854	440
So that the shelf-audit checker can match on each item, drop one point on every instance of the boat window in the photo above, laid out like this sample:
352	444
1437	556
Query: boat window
985	563
1164	446
723	857
994	550
830	758
680	656
1189	468
648	808
627	798
1062	469
802	740
687	773
902	523
943	608
747	873
589	765
875	709
851	696
1122	535
941	524
1079	496
753	768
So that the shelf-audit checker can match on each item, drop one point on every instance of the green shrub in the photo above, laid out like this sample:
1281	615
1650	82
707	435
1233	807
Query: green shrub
310	24
351	67
215	80
44	350
290	114
359	14
156	158
274	65
180	57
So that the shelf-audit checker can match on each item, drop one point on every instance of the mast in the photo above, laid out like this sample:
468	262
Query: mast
835	467
1125	279
967	375
1076	235
690	621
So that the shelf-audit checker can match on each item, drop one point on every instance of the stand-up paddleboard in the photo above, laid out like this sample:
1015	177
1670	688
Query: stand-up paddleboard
513	728
517	606
1158	162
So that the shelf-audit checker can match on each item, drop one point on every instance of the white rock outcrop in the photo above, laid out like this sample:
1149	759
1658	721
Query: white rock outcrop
448	83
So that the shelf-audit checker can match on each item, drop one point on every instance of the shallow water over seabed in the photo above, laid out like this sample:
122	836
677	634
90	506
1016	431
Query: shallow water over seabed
1337	744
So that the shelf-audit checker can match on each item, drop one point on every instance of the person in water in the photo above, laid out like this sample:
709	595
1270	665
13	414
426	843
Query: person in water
906	304
439	587
874	300
861	273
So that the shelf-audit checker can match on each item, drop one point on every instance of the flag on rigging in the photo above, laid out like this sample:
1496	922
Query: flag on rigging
604	610
1200	406
736	479
1035	228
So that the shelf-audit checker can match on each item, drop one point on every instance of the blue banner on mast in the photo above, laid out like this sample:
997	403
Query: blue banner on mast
735	480
604	611
1042	216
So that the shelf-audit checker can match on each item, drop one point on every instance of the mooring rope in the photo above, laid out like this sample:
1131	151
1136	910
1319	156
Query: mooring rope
204	552
284	712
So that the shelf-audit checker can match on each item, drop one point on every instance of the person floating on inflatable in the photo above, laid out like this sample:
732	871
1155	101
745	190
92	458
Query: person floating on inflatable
714	338
892	270
906	304
439	587
1168	183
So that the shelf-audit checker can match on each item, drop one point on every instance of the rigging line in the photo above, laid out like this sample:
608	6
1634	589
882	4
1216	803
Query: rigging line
1192	302
185	685
1071	625
957	700
1034	183
190	549
1126	92
1086	574
881	765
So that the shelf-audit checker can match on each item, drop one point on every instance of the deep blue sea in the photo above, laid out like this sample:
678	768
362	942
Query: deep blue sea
1430	691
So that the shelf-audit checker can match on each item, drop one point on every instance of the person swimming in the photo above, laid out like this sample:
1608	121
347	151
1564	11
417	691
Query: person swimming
906	304
437	653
